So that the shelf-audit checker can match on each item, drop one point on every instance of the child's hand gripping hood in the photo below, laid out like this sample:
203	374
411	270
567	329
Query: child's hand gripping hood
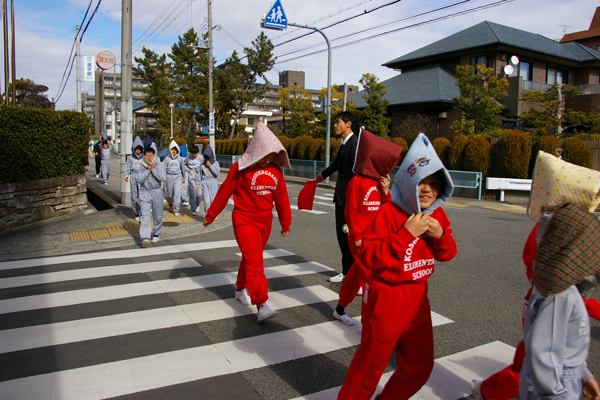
420	162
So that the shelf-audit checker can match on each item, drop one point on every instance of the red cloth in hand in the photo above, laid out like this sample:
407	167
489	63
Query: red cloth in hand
307	195
593	308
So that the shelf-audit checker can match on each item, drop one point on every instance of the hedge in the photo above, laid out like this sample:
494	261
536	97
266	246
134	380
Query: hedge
456	155
42	143
442	148
478	155
515	153
578	153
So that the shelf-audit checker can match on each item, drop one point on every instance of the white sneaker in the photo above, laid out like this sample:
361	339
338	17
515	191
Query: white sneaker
344	318
476	389
145	243
176	213
185	203
360	292
155	239
194	213
106	183
264	313
165	201
337	279
137	218
243	297
97	176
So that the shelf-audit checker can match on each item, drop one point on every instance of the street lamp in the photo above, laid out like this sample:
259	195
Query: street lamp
171	106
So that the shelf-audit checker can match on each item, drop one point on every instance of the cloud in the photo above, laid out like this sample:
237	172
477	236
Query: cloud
46	32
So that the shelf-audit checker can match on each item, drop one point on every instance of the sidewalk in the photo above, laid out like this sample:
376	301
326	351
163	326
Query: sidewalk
116	227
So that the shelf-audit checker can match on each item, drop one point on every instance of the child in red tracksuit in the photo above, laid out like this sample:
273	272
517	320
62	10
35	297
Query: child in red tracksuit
399	249
256	182
375	160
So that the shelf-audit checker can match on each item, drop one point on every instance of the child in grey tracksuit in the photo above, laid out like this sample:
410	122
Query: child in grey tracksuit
149	179
174	166
132	167
210	171
105	160
556	325
192	165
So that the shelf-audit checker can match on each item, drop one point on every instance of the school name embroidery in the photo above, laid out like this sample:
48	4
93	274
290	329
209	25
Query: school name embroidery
262	190
371	205
419	162
409	266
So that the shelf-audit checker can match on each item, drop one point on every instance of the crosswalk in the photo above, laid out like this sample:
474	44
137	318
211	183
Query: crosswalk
72	327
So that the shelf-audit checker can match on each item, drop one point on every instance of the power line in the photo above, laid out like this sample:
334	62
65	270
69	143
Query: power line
495	4
70	68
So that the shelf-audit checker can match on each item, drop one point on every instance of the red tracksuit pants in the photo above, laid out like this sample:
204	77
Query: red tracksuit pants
352	281
394	318
252	233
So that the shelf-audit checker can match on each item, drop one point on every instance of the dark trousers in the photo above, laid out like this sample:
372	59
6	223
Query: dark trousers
98	161
340	221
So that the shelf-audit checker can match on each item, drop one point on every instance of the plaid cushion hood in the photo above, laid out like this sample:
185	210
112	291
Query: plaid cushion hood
569	251
375	157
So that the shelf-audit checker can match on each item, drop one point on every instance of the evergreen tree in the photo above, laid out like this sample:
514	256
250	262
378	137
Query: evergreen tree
29	94
373	116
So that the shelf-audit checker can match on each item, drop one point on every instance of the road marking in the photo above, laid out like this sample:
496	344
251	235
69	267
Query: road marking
84	296
97	272
273	253
131	253
451	375
308	211
176	367
452	204
161	318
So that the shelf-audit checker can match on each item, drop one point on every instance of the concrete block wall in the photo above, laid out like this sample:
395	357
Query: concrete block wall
27	202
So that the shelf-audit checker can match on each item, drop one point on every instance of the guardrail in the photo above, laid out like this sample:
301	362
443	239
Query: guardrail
503	184
310	168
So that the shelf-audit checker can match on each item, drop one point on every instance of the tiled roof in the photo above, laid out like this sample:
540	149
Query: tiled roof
489	33
429	84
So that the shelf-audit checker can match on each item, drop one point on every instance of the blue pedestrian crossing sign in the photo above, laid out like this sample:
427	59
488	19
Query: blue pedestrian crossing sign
275	18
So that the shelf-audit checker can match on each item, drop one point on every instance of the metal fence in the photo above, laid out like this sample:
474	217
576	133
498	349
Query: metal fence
310	168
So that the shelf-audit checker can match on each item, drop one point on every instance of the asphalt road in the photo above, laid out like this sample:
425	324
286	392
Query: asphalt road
105	325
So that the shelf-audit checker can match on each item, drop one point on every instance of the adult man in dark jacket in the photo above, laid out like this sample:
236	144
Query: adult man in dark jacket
343	164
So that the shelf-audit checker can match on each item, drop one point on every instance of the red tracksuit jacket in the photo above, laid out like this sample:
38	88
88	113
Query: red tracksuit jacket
395	256
254	190
363	200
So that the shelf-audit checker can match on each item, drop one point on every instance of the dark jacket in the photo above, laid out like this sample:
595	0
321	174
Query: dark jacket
98	149
343	164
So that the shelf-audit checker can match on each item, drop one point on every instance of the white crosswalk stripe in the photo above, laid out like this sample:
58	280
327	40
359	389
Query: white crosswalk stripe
72	317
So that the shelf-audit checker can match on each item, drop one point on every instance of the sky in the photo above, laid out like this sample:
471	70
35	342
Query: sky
45	32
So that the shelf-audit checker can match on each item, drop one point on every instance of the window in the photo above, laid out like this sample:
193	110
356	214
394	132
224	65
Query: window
251	121
525	70
556	76
479	60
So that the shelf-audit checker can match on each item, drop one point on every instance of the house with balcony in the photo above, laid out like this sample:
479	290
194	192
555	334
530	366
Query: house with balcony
426	84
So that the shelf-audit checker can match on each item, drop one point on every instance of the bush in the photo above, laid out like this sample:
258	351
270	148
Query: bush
218	146
456	154
244	144
287	144
478	155
180	142
401	142
334	147
316	151
442	148
42	143
237	147
301	146
515	153
578	153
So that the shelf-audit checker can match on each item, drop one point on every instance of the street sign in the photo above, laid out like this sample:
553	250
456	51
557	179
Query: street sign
105	60
275	18
88	64
211	124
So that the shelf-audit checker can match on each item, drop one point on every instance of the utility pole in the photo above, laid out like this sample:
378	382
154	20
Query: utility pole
12	50
345	97
126	107
6	67
211	109
78	66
